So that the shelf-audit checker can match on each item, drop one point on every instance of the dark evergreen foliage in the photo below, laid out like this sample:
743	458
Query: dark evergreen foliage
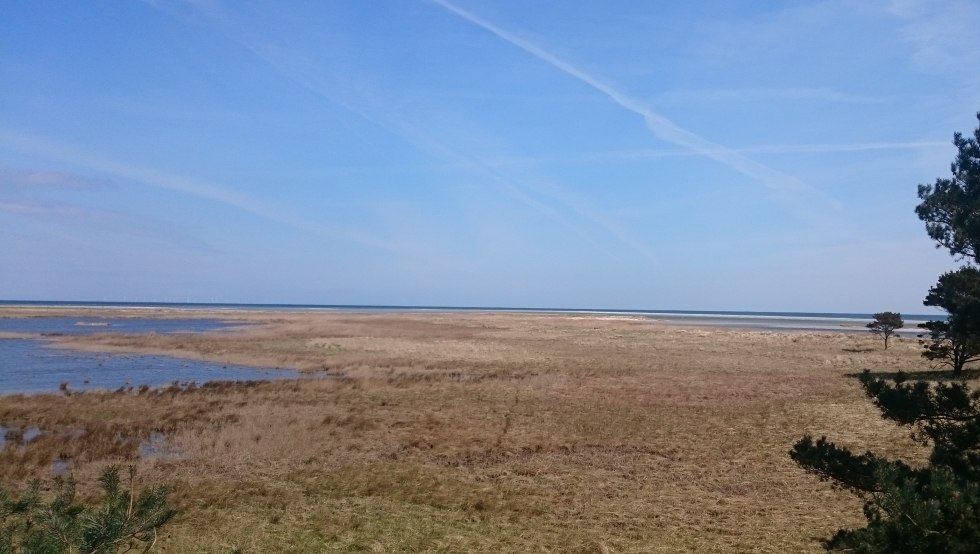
955	341
935	508
931	509
950	208
951	211
885	324
121	523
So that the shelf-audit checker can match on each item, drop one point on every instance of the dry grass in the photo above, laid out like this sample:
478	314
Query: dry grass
482	433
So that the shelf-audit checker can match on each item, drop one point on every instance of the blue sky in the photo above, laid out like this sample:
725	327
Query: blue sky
729	155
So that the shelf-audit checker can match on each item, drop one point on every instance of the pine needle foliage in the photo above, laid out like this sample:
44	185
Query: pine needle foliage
955	341
910	510
950	207
935	508
124	521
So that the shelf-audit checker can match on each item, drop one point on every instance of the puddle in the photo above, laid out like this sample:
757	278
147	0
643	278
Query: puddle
30	434
60	466
16	436
155	446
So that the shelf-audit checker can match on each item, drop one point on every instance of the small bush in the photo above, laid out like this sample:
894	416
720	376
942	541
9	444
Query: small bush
124	520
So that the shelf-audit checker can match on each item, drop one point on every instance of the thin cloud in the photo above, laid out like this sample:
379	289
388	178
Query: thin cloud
581	206
308	74
846	147
10	178
943	36
767	95
106	220
22	208
658	124
589	157
209	191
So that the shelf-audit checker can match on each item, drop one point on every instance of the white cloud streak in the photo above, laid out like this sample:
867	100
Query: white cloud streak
581	206
589	157
943	36
114	222
130	172
311	76
658	124
846	147
10	178
767	95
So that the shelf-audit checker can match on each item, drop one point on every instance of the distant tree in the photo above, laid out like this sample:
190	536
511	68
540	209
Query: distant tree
950	208
122	522
885	324
955	341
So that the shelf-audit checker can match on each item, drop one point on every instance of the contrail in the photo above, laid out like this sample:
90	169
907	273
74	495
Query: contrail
307	74
659	125
762	149
847	147
209	191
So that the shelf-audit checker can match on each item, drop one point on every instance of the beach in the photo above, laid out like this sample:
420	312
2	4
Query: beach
476	432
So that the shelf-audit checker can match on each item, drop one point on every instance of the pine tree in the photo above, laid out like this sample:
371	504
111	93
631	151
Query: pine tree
950	209
935	508
123	521
885	324
955	341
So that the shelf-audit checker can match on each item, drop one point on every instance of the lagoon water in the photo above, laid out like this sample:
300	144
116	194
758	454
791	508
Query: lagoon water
88	325
30	365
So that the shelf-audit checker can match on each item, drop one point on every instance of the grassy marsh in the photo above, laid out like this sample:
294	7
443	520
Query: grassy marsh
480	433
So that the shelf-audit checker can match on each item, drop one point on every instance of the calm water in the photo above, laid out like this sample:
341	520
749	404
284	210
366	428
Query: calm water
30	365
815	321
88	325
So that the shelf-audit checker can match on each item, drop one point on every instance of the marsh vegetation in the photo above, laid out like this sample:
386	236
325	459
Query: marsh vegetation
480	432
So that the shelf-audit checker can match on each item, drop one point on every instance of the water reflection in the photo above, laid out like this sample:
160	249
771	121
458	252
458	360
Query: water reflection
31	366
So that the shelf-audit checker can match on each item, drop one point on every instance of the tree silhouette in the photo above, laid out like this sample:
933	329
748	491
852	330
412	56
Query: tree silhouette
885	324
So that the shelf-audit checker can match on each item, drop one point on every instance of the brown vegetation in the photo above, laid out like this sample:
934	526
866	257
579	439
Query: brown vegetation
481	433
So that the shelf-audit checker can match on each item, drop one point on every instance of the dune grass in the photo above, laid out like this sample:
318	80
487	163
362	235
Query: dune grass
481	433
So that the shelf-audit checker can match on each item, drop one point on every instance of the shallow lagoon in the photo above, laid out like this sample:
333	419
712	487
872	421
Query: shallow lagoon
89	325
30	365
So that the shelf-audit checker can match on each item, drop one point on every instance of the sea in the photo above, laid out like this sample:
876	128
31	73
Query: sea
776	321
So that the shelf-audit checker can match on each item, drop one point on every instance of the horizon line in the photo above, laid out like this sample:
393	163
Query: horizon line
129	303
